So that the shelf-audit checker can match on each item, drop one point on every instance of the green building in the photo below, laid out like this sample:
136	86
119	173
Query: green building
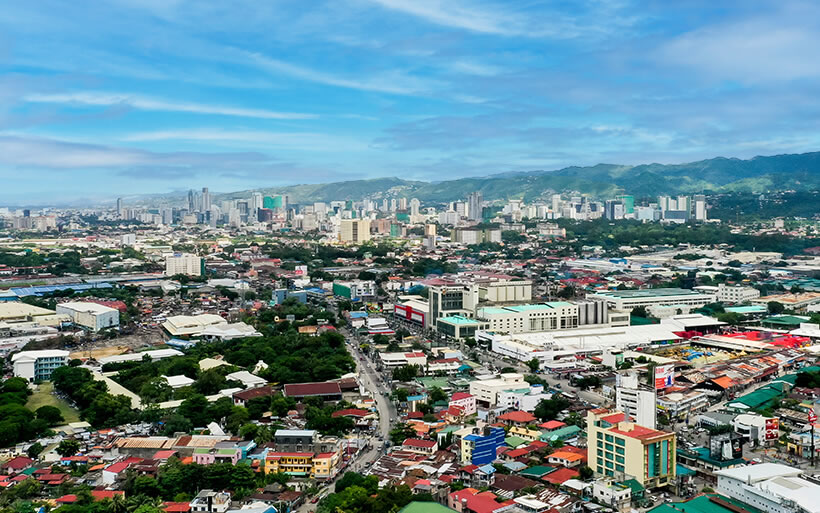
272	202
629	203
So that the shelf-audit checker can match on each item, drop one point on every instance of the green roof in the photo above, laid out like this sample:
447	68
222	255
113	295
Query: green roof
537	471
514	441
784	320
702	454
761	397
493	310
561	433
425	507
746	309
634	485
701	504
457	319
431	381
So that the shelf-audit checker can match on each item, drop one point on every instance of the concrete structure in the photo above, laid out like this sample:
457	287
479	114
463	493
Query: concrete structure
613	494
770	487
624	300
92	316
190	325
395	360
38	365
734	294
480	447
16	312
184	263
459	327
486	390
531	317
355	290
464	401
354	230
209	501
637	401
619	448
679	405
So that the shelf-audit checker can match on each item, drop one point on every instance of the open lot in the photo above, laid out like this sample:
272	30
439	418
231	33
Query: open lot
43	396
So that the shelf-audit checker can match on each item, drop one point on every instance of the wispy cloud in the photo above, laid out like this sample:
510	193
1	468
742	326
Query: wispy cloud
154	104
312	141
453	14
393	82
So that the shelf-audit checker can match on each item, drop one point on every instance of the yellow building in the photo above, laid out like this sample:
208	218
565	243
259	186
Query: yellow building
293	463
529	435
303	464
617	447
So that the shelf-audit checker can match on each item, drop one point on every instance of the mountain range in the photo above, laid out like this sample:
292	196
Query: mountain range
716	175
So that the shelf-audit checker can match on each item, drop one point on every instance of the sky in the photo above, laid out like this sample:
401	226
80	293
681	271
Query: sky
123	97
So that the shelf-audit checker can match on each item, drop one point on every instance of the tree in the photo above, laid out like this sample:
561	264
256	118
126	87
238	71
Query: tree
195	409
436	395
155	391
640	311
50	414
405	373
34	450
534	364
548	409
775	308
177	423
68	447
585	473
401	432
401	395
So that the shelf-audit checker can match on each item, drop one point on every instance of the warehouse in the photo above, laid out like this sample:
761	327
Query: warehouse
92	316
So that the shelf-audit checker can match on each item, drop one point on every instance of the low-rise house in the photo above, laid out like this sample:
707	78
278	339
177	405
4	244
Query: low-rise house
418	446
209	501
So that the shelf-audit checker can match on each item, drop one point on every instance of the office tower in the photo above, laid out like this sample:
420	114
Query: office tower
354	230
461	208
206	199
613	209
475	206
119	208
256	200
556	202
700	207
191	201
628	202
167	216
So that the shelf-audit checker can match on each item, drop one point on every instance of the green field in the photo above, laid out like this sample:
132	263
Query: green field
43	397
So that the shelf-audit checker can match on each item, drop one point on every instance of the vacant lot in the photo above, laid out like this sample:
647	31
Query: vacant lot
43	397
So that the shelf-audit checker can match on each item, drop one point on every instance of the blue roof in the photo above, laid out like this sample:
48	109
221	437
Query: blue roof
515	466
358	315
48	289
487	469
472	438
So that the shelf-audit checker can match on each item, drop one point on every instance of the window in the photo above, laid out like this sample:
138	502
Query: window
600	443
609	438
619	459
609	447
619	450
619	441
600	435
619	468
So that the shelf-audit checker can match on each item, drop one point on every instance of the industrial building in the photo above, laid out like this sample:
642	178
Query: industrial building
770	487
92	316
625	300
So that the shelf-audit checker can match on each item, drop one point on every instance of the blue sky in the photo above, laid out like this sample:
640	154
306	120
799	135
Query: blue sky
99	99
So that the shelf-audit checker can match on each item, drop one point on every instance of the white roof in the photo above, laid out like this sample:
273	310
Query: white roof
246	378
14	309
191	324
229	331
210	363
45	353
86	306
178	381
135	357
759	472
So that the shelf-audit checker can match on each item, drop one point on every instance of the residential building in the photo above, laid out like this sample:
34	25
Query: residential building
679	405
184	263
612	493
354	230
770	487
355	290
465	401
619	448
734	294
38	365
92	316
209	501
419	446
628	299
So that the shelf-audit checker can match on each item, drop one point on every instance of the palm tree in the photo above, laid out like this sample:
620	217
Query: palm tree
118	504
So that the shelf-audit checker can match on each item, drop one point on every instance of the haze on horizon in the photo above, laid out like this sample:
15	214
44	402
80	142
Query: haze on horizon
150	96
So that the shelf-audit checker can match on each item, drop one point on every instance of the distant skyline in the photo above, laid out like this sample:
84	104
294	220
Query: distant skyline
150	96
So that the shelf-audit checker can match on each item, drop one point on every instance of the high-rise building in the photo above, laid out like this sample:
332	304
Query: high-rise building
206	200
620	448
628	202
354	230
637	401
613	209
415	205
119	208
184	263
475	206
699	201
191	201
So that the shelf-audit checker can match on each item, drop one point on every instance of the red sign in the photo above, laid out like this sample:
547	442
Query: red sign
772	429
812	417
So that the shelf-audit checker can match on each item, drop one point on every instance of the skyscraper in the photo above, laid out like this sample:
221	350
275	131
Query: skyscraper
191	201
475	206
700	207
119	208
206	199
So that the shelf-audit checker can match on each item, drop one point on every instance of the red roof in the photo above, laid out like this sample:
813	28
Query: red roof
460	395
253	393
417	442
640	432
615	418
560	476
417	354
517	416
106	494
516	453
552	424
67	499
163	455
350	412
118	467
176	507
312	389
18	463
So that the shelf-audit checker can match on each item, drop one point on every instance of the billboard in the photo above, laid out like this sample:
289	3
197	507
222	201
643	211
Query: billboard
301	270
772	429
664	376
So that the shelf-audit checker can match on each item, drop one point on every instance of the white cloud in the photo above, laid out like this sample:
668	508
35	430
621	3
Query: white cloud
393	82
311	141
153	104
450	13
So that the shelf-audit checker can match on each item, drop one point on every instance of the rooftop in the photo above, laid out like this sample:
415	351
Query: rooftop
629	294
